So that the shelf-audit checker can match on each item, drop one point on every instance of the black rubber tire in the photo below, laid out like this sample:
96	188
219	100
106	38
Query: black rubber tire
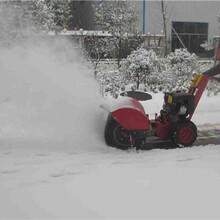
113	134
184	133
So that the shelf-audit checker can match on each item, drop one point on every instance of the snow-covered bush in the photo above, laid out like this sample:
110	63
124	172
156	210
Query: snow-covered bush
161	74
30	19
144	70
182	65
41	15
50	15
140	64
213	87
182	62
112	80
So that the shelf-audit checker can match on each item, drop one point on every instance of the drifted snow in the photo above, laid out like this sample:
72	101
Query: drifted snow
54	162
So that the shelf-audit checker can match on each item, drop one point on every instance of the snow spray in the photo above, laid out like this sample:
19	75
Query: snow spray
48	95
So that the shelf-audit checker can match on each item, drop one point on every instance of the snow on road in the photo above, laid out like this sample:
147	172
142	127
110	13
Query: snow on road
179	183
54	162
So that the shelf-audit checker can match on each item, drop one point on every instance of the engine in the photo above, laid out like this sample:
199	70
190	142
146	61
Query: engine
177	106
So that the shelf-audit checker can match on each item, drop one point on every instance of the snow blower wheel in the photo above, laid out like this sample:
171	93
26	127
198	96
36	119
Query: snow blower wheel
116	135
184	133
121	137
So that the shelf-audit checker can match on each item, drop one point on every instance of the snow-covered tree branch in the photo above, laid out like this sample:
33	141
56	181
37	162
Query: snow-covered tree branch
119	18
50	15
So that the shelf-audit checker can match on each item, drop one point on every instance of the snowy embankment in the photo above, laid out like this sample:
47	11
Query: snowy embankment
54	162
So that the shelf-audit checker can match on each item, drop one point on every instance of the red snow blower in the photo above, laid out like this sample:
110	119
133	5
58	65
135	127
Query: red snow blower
129	126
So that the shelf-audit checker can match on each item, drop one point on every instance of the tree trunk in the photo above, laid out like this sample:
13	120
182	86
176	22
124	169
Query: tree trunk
164	28
138	81
119	53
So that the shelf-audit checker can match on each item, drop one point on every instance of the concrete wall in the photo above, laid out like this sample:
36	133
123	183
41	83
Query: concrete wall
194	11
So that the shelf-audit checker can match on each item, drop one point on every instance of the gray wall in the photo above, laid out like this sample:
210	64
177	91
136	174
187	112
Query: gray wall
195	11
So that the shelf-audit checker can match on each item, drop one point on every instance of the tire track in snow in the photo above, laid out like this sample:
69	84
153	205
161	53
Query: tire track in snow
209	136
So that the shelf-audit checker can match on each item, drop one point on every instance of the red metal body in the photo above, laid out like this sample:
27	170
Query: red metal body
200	82
186	134
162	130
131	115
197	88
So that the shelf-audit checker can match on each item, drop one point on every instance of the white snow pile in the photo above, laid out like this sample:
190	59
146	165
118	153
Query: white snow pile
47	95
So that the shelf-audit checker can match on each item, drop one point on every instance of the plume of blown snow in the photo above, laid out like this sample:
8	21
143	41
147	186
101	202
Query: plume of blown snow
47	94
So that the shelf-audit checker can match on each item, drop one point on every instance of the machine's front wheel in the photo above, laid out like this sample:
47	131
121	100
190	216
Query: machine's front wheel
184	133
116	135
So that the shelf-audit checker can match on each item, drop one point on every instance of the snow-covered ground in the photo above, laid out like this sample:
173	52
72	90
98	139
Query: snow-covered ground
54	162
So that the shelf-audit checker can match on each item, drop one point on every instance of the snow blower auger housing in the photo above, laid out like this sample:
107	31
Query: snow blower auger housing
129	126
